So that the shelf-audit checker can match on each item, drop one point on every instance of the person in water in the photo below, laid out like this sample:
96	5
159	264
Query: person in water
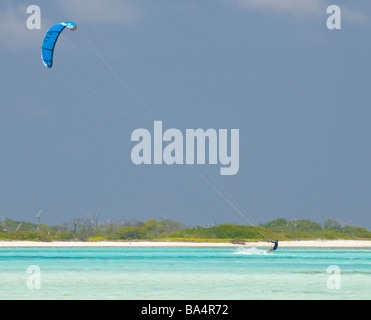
274	248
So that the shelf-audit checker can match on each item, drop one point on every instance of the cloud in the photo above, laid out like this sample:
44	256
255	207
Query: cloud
113	11
354	16
296	7
302	8
14	33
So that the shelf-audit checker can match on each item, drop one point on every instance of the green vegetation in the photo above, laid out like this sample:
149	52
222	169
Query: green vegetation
168	230
307	229
225	232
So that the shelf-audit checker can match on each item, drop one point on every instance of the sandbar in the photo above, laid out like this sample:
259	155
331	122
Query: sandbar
165	244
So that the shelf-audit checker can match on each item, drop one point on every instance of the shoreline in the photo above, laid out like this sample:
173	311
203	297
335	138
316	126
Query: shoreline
172	244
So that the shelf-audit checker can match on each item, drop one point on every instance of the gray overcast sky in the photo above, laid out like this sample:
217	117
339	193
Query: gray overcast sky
298	92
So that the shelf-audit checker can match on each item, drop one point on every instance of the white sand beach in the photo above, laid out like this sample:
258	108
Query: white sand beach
282	244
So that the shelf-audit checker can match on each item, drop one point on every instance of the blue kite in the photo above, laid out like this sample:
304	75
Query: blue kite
50	39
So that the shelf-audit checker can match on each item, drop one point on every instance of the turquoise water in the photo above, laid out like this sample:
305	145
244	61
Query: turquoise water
183	273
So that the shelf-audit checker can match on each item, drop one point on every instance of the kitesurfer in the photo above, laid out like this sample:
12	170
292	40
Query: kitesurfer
274	248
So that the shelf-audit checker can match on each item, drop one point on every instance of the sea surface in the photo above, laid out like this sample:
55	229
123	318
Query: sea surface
184	273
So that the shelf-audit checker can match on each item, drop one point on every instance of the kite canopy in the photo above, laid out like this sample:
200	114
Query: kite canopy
50	39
